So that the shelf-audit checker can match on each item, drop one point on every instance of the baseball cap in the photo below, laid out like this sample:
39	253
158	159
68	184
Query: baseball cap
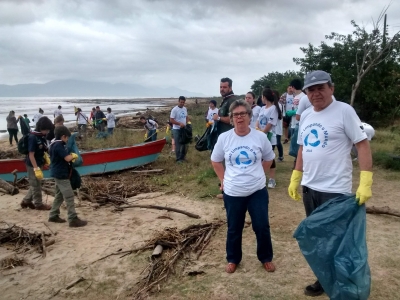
316	77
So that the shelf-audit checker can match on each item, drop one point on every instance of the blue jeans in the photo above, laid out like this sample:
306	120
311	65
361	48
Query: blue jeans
236	207
180	150
110	130
152	135
278	145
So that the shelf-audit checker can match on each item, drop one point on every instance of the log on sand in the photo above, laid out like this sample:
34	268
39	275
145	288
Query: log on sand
386	210
9	188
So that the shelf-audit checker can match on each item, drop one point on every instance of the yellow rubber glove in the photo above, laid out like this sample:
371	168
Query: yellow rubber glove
157	131
38	173
258	128
167	131
294	185
74	156
104	119
364	189
145	136
46	158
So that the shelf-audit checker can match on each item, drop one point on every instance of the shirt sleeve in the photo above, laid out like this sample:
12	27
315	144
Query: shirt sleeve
352	125
267	152
303	105
218	154
172	116
273	118
32	143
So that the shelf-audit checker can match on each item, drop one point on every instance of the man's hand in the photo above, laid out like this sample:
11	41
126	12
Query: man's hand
215	117
181	125
38	173
364	189
74	156
294	185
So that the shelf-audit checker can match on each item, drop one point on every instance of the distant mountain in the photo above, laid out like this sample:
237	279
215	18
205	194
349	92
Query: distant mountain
79	88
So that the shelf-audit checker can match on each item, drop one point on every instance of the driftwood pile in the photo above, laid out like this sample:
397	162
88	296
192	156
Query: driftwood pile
11	262
21	240
179	245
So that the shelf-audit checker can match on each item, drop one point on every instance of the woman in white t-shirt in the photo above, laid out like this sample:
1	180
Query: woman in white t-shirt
247	154
250	99
269	116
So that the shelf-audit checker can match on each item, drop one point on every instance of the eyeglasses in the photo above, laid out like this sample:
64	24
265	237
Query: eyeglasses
241	114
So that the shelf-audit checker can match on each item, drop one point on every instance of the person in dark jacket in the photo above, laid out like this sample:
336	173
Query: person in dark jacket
35	160
12	126
99	117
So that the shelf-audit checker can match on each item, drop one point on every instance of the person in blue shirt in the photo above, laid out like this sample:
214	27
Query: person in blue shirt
60	170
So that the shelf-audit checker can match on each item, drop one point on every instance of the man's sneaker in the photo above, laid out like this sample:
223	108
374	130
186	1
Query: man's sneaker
271	183
314	290
56	219
43	207
26	204
280	159
77	223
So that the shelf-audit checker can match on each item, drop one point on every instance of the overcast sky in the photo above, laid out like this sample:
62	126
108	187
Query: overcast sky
189	44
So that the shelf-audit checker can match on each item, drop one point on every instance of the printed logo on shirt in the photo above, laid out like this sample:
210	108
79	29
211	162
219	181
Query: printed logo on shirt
263	121
242	157
314	135
182	115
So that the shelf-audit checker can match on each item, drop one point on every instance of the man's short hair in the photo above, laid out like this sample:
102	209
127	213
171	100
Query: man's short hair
44	123
59	107
59	119
97	106
109	109
228	80
40	110
61	130
25	115
142	118
296	83
182	98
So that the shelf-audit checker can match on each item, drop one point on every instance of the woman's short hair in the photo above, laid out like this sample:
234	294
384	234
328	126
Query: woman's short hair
44	123
61	130
238	103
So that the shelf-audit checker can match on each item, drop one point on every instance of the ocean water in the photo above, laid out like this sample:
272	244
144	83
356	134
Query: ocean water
30	106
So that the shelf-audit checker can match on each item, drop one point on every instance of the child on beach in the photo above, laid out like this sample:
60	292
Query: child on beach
35	160
110	121
60	170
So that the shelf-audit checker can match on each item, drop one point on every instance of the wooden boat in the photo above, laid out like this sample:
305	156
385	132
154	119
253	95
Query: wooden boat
96	161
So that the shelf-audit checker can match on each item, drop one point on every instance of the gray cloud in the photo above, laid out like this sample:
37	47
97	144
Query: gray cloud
188	44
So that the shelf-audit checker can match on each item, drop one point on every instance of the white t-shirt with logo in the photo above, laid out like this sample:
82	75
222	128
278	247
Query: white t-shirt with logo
82	118
268	116
295	106
243	157
179	115
289	102
110	120
327	138
210	114
256	112
36	117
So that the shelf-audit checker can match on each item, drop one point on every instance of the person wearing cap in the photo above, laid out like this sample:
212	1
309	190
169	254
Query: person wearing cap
212	110
179	119
57	112
327	131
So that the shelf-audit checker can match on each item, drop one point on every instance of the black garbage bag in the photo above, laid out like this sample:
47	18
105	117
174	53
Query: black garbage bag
186	134
202	143
333	241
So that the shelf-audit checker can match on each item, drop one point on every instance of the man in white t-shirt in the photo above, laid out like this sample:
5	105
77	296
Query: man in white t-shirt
57	112
327	132
37	116
212	110
179	119
81	121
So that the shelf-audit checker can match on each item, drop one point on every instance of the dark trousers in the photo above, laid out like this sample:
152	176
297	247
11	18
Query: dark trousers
236	208
312	199
279	145
12	134
152	134
180	149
